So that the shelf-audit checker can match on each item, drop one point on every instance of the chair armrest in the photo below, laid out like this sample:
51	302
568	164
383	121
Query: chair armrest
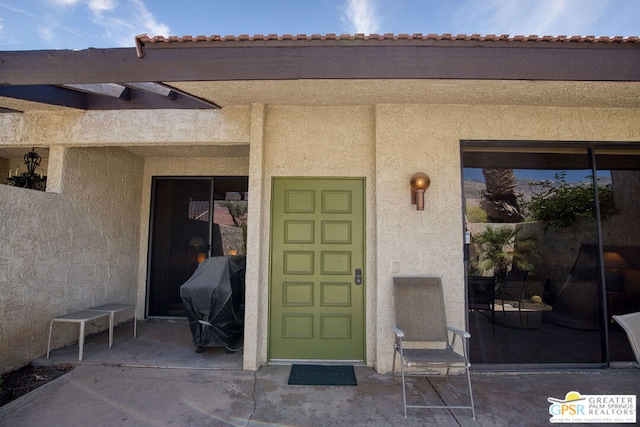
399	333
457	331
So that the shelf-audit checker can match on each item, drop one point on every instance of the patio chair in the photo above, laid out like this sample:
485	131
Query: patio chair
631	324
482	295
421	325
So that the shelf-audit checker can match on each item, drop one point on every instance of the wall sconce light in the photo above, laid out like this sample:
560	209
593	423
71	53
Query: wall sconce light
419	183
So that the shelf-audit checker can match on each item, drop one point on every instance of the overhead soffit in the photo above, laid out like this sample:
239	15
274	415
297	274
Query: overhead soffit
461	92
374	91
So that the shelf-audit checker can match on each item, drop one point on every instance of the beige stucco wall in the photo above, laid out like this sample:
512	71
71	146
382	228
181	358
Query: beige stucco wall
325	141
385	144
426	138
67	251
126	127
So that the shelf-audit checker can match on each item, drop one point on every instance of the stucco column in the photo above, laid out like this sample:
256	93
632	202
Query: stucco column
55	170
257	292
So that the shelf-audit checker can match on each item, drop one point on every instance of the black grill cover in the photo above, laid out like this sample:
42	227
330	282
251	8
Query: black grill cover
213	298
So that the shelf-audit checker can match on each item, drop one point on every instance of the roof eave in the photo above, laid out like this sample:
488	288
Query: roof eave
244	58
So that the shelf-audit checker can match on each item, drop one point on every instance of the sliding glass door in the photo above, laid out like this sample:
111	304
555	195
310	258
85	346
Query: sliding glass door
621	242
540	274
191	219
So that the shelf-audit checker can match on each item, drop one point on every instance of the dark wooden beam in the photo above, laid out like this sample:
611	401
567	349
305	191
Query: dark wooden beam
174	62
45	94
136	99
156	88
141	100
107	89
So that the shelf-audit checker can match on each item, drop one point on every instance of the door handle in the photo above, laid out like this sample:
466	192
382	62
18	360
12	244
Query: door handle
358	276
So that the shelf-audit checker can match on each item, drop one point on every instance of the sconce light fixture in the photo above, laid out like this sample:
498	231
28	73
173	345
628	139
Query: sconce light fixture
419	183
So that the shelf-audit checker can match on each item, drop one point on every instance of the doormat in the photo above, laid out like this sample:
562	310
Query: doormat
322	375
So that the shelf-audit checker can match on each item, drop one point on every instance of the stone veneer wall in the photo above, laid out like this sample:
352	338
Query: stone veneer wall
67	251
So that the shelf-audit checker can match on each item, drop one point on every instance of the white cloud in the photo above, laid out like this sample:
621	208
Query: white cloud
66	2
117	22
533	17
148	21
101	5
122	21
361	15
45	32
15	9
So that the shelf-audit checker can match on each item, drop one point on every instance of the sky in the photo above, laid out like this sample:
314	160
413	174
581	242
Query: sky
80	24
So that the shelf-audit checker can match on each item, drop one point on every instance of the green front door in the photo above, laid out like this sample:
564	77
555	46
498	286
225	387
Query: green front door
317	269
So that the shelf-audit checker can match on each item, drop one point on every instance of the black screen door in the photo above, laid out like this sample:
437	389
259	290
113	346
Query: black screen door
184	231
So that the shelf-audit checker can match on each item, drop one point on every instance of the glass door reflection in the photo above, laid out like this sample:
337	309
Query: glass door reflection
532	222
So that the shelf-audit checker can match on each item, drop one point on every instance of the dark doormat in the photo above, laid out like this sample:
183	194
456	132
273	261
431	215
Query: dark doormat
322	375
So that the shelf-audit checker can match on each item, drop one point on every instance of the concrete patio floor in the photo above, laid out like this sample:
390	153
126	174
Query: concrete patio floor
157	379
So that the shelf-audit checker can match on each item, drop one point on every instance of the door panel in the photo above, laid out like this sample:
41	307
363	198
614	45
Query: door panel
317	243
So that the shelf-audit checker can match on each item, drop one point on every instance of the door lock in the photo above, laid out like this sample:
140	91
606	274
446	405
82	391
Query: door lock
358	277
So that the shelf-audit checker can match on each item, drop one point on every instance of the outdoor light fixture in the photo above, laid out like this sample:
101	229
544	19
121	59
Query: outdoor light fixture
419	183
29	179
198	246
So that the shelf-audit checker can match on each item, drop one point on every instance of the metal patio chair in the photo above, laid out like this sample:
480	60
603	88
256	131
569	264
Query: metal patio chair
631	324
422	336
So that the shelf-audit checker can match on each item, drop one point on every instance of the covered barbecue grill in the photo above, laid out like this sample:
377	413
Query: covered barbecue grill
214	301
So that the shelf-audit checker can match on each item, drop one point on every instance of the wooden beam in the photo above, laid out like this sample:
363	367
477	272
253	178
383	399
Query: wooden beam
141	100
282	61
45	94
113	90
156	88
55	95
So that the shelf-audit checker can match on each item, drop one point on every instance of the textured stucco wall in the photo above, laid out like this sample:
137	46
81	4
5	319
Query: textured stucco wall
63	252
385	144
126	127
322	141
254	354
426	138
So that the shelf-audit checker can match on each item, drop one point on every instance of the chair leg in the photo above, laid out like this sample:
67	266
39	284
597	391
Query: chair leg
49	342
393	366
473	408
404	392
